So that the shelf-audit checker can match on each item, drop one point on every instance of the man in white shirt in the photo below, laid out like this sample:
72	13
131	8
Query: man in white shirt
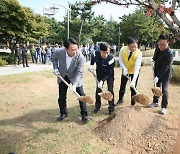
130	58
69	62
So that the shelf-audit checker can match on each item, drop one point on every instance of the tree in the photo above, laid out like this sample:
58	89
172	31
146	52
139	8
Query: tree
138	25
154	6
56	31
81	14
12	20
20	23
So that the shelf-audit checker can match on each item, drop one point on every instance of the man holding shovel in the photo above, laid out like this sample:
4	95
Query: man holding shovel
105	72
130	58
68	63
163	57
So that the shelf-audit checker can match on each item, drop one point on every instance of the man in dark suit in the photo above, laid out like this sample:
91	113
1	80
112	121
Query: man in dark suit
68	62
105	64
17	54
24	55
163	57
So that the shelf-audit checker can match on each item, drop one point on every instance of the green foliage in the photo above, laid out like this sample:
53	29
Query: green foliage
12	19
2	62
117	63
20	23
176	74
176	62
138	25
7	57
56	31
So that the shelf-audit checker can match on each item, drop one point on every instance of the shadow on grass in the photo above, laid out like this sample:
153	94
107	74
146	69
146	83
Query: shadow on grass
50	116
12	137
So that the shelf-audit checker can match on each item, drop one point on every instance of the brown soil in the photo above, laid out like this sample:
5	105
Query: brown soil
137	130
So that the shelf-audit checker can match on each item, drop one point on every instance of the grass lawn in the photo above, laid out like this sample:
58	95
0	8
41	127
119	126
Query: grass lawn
29	110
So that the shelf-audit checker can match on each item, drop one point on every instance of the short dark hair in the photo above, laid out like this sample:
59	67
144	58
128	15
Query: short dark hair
104	46
132	40
164	37
70	41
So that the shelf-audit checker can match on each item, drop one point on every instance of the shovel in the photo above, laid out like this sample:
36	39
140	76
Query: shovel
105	95
156	90
86	99
140	98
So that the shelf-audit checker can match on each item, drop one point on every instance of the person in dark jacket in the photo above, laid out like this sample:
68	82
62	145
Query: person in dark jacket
163	57
105	64
17	54
24	55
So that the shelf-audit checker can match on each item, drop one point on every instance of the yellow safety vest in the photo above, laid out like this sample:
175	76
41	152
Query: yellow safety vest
131	63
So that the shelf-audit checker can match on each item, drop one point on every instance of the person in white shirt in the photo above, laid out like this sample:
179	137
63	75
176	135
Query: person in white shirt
68	62
130	58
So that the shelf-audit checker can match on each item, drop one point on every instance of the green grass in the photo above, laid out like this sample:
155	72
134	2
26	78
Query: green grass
29	110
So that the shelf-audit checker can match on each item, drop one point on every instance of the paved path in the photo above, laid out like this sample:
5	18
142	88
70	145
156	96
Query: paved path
11	69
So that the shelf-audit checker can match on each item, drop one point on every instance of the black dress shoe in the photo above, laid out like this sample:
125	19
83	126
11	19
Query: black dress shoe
61	117
119	102
85	119
96	110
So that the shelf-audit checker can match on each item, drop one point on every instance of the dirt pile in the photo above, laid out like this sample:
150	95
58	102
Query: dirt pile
138	130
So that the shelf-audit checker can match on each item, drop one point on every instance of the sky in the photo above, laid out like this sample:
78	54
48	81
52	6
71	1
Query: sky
107	10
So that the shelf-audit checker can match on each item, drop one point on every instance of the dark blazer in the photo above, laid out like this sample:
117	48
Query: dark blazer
17	51
24	51
75	70
104	67
163	63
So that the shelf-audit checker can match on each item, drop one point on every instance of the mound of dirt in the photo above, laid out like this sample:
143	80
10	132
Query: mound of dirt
138	130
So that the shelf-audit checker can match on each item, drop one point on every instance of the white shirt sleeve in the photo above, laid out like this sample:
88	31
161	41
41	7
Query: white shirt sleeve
121	61
137	67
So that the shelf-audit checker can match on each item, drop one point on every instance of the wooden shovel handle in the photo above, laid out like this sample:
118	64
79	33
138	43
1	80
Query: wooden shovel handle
132	87
67	84
95	77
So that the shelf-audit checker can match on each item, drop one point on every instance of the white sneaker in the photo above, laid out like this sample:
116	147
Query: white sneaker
164	111
153	105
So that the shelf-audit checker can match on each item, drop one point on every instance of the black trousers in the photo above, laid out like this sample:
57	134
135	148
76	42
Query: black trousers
24	59
63	95
122	89
15	59
34	58
110	85
164	83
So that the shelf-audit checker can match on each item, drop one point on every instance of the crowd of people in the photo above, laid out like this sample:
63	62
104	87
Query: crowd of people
39	54
44	53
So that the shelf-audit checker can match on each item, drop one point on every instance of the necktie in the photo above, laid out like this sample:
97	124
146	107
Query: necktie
130	54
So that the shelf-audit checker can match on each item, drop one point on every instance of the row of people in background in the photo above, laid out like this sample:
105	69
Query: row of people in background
69	63
89	50
42	54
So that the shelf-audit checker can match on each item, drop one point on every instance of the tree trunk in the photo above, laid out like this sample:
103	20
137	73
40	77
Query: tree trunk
80	31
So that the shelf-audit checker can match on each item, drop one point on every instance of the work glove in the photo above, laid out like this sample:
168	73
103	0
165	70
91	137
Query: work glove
100	84
73	88
152	63
125	72
155	80
91	69
132	84
56	71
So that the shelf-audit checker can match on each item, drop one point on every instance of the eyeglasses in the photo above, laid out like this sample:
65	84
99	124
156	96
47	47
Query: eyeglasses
162	45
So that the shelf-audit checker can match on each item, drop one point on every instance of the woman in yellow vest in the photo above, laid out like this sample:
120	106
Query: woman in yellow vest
130	58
